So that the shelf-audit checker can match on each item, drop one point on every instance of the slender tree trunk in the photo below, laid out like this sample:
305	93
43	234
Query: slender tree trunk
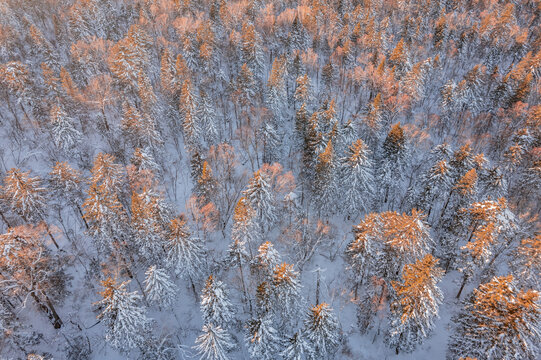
82	216
464	281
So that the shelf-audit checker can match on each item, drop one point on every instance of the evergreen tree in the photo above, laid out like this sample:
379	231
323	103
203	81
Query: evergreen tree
393	165
259	195
213	343
356	178
266	259
296	348
215	305
185	253
322	331
24	195
159	288
262	338
527	262
124	319
65	135
244	229
325	186
286	289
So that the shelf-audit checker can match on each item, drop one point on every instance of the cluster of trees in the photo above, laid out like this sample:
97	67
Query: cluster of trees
160	152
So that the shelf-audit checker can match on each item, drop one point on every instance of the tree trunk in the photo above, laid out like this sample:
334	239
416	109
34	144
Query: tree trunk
464	280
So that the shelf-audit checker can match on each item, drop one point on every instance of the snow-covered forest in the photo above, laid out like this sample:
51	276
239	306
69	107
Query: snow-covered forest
270	179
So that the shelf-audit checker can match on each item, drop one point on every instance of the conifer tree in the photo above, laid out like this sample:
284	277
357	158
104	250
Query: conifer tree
213	343
159	288
30	270
527	262
215	305
262	338
185	253
498	322
393	164
322	331
325	179
416	305
244	229
65	135
357	180
188	112
266	259
296	348
286	289
24	195
259	195
124	319
206	116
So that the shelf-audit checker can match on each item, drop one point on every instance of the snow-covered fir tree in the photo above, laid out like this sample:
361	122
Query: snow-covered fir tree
159	288
262	338
357	179
322	331
216	308
213	343
260	197
124	319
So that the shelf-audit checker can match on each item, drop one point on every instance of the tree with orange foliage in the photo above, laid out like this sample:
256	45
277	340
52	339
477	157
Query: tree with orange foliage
416	304
527	262
498	322
385	242
24	195
486	221
29	269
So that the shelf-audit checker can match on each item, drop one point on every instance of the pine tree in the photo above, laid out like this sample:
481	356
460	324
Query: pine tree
159	288
213	343
244	229
259	195
246	86
215	305
527	262
286	289
262	338
296	348
322	331
105	216
266	259
107	174
251	48
65	135
207	118
325	186
498	322
185	253
140	128
393	166
124	319
188	112
356	178
416	305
